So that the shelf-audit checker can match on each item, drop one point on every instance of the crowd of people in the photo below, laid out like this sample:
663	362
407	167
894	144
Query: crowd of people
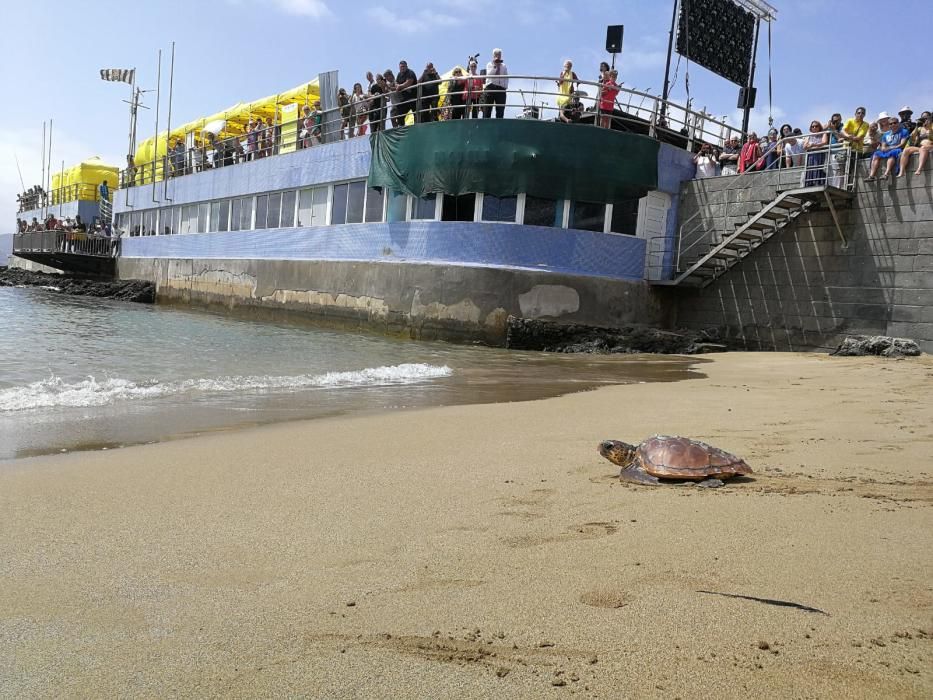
387	99
33	198
891	140
67	224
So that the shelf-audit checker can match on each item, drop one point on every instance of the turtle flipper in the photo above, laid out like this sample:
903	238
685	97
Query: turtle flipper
637	475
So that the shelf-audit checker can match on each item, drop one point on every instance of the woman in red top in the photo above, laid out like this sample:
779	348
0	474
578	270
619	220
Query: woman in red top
474	93
608	90
750	155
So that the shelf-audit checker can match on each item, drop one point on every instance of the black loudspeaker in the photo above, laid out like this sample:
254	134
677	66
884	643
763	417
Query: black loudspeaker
614	38
747	98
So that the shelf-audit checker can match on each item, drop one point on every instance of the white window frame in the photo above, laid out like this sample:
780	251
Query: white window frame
519	209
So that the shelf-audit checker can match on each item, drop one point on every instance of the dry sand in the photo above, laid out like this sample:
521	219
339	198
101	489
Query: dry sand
487	551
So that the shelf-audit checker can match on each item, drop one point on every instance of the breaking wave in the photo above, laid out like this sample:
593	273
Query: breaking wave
55	392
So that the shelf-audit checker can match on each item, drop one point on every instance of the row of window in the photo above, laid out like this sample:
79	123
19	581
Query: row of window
354	203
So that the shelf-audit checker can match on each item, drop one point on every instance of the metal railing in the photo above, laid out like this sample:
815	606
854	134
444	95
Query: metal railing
832	165
73	242
81	191
528	97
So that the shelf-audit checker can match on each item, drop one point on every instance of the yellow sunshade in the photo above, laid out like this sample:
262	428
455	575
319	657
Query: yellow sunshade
80	182
235	118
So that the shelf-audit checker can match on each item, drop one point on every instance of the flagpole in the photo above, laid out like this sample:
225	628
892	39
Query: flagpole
134	97
155	154
168	127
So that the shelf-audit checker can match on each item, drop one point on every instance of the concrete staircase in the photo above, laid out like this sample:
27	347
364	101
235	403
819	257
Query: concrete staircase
716	257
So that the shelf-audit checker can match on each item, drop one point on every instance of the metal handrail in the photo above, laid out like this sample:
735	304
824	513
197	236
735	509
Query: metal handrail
521	100
71	242
843	181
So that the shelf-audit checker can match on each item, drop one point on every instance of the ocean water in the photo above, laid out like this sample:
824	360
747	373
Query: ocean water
80	373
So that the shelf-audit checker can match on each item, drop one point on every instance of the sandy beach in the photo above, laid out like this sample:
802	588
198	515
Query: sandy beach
488	551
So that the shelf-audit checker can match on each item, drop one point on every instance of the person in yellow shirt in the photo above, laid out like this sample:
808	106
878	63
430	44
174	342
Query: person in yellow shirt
855	130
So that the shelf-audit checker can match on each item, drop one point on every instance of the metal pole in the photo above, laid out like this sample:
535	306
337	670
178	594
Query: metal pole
60	198
168	128
667	67
155	141
131	150
48	172
39	202
751	82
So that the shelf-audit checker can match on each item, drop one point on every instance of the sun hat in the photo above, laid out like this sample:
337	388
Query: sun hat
883	116
905	109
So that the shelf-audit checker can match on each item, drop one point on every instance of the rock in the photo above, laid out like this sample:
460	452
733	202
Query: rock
534	334
883	345
123	290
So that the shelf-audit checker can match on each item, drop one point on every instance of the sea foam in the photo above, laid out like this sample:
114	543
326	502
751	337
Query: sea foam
54	392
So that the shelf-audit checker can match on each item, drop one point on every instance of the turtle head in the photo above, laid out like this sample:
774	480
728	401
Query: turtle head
617	452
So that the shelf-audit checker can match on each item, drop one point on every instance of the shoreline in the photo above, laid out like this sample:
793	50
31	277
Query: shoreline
487	550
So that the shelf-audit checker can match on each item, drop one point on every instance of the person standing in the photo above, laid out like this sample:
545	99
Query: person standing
608	90
104	191
430	91
456	93
377	102
497	82
405	87
729	158
566	84
474	93
854	131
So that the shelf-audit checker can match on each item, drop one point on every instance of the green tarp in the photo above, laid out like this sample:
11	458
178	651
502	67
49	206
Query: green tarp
507	156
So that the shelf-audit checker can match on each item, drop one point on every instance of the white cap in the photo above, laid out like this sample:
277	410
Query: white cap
883	115
905	109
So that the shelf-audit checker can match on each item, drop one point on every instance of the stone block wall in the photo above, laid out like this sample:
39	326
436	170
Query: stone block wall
806	289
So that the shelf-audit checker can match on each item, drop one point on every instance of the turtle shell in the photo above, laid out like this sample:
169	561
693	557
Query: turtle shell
672	457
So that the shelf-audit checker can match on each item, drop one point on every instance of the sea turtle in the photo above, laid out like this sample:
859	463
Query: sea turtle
671	457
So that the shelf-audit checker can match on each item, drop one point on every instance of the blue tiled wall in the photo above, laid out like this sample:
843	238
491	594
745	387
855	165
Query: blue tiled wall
490	245
333	162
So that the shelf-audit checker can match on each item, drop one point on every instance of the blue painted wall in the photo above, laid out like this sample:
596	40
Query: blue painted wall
675	166
455	243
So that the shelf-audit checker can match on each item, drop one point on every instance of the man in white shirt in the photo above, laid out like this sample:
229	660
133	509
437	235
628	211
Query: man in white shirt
706	162
497	82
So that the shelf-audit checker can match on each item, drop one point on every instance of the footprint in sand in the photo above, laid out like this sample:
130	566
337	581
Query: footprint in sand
586	531
605	597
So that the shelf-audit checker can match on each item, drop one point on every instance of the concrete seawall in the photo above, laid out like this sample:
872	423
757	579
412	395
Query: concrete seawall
805	288
414	300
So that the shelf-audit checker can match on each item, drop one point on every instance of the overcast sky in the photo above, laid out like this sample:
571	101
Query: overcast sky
824	59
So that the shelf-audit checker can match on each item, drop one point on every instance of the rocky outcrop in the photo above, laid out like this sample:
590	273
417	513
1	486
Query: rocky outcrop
530	334
126	290
883	345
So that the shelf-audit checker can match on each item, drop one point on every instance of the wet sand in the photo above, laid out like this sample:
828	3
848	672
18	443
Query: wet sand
488	551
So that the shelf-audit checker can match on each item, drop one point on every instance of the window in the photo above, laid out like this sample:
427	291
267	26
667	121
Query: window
499	208
246	213
424	207
176	219
624	217
224	215
204	213
262	206
338	211
312	207
189	219
220	214
149	222
355	199
235	215
398	207
288	208
543	212
165	222
375	203
588	216
135	219
458	207
275	206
